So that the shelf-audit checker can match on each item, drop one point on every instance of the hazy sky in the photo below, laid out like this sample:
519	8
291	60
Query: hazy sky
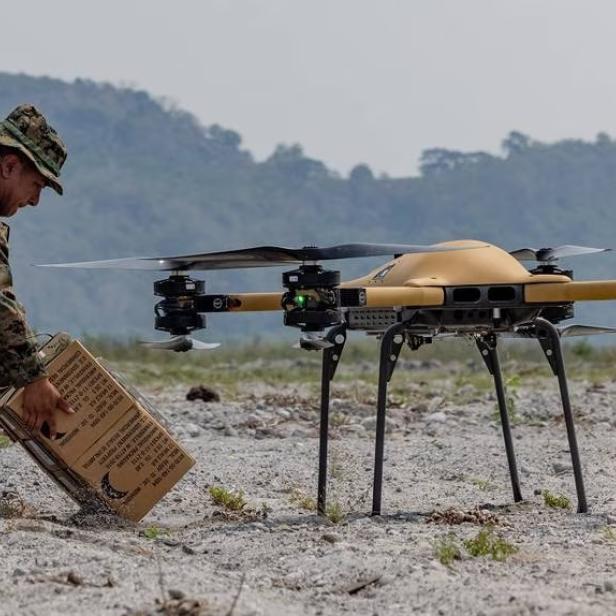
351	80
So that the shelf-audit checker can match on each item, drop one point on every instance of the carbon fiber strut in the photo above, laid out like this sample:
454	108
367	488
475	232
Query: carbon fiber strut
487	348
331	357
391	344
549	339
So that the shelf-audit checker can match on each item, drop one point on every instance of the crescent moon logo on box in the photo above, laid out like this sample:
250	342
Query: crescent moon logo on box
109	490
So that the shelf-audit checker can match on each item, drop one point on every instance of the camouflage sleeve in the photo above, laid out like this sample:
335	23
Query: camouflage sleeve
19	362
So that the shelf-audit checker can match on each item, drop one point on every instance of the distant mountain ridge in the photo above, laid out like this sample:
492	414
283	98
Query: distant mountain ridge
145	179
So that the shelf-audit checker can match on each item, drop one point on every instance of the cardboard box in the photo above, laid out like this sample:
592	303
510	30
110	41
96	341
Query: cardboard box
112	449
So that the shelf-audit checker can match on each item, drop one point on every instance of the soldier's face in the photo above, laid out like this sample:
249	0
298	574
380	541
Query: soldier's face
20	185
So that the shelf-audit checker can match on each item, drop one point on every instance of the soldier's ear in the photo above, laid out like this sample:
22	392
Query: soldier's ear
9	165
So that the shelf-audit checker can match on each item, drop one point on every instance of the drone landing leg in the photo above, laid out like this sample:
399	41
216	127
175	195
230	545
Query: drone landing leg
549	339
487	348
331	356
391	344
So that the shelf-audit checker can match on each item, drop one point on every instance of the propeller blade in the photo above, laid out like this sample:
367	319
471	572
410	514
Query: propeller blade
521	332
585	330
313	342
180	344
261	256
528	331
551	254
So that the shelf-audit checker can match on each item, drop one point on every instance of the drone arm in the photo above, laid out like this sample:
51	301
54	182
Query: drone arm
570	291
254	302
381	297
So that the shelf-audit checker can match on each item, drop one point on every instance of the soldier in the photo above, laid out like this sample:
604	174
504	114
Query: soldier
31	156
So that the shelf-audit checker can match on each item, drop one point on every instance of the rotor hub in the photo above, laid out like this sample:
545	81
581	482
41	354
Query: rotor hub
312	300
177	312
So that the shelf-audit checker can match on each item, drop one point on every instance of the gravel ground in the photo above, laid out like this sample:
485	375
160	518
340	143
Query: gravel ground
278	557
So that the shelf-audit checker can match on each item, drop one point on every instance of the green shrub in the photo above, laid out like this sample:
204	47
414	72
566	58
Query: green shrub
335	513
556	501
231	501
446	549
488	543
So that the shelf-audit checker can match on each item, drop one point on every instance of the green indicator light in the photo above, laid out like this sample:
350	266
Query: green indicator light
300	300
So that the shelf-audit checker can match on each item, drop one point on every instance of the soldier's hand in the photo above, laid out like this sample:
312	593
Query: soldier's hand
40	401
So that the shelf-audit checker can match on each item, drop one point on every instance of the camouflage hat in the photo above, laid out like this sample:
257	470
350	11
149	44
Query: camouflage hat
26	129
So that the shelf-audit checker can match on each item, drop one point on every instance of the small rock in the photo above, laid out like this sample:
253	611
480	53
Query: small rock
369	424
172	543
74	578
355	429
252	421
610	519
559	468
384	580
435	403
608	586
193	431
175	594
465	390
438	417
229	430
17	572
301	433
330	537
201	392
265	432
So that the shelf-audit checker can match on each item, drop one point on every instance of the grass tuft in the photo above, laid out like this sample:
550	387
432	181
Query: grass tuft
302	500
153	532
447	549
334	513
5	441
12	505
230	501
556	501
488	543
609	534
482	484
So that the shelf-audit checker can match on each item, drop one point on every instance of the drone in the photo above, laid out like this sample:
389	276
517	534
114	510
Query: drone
463	288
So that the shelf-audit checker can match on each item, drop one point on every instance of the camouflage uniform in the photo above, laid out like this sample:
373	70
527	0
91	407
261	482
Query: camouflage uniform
19	363
26	130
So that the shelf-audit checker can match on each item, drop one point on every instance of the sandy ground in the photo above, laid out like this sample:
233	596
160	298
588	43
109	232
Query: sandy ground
440	454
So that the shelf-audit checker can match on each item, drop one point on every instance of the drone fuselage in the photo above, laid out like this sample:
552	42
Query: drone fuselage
472	288
481	290
482	264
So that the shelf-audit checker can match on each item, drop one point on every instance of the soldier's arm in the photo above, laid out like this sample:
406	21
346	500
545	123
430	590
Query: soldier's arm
21	367
19	362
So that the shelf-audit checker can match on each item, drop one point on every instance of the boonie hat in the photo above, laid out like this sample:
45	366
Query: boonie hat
27	130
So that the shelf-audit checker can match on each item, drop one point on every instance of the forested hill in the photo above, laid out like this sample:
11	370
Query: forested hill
144	178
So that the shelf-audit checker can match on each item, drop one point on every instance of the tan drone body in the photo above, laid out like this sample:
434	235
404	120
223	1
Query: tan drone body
419	280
